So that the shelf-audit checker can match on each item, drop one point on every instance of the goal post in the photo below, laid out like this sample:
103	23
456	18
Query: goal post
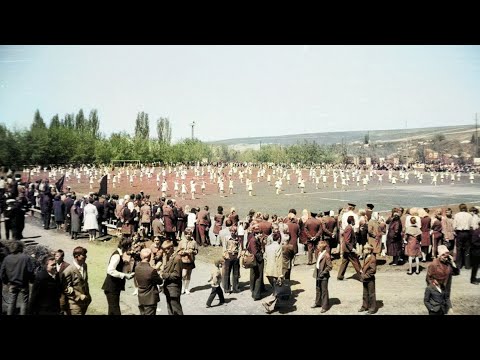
125	162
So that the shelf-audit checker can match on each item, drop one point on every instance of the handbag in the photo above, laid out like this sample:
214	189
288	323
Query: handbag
282	288
249	260
126	229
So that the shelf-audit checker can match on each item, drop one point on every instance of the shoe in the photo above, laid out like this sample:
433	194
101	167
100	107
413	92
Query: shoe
187	291
475	282
339	278
323	311
267	310
362	309
314	306
394	264
208	306
417	272
423	260
409	273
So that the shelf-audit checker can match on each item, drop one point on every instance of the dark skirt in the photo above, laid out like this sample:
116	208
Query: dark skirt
188	266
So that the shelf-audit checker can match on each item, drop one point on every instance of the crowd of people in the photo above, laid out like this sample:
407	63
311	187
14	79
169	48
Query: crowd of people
159	240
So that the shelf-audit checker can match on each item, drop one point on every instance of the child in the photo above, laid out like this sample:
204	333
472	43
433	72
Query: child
368	279
215	279
435	299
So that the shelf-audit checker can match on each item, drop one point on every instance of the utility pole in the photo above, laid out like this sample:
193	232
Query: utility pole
476	135
406	145
192	125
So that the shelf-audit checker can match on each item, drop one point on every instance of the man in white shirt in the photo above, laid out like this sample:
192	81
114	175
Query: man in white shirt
348	213
115	281
463	224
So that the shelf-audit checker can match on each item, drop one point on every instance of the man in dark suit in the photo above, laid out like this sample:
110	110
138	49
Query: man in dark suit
61	265
314	229
435	299
322	274
330	229
46	290
172	278
68	206
147	279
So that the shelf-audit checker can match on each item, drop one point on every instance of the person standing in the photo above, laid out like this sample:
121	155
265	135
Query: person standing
218	222
435	299
475	256
273	260
90	223
231	264
463	224
394	237
115	281
60	266
368	279
442	269
17	272
75	283
447	229
46	290
172	278
187	249
322	274
148	280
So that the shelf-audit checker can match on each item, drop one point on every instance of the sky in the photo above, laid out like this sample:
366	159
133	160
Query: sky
243	91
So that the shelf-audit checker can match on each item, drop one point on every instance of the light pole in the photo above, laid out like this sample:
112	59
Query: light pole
192	125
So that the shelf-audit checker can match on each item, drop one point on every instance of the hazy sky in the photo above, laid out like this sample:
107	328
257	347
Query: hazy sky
241	91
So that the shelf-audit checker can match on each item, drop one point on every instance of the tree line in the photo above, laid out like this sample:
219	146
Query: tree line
76	139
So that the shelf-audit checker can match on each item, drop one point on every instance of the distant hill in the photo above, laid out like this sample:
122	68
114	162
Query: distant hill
459	132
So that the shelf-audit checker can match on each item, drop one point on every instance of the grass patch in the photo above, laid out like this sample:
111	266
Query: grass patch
97	259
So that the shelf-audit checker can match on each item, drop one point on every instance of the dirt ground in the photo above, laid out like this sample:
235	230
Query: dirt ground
397	293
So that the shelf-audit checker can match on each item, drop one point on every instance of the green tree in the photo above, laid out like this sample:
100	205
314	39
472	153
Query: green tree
142	126
164	131
38	122
80	121
37	140
93	123
55	122
69	121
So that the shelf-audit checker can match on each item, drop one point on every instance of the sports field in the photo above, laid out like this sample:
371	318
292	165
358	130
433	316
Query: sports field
264	199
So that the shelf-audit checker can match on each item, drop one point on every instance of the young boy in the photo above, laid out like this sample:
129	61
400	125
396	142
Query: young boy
368	279
435	299
215	280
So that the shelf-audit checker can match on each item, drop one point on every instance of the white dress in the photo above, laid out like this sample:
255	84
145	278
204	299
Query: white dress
90	214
